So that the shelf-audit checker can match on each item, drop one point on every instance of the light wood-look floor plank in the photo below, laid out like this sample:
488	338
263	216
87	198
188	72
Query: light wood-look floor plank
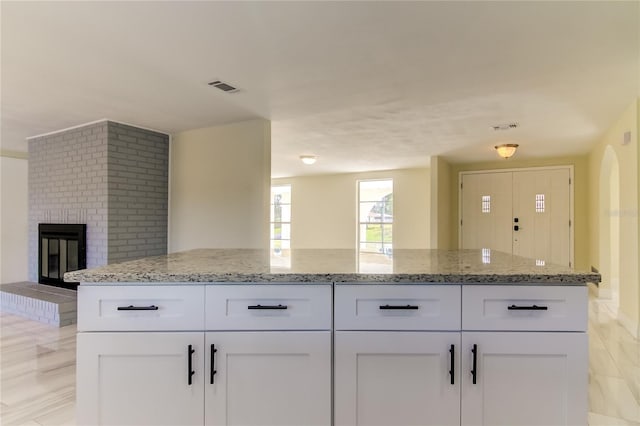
37	372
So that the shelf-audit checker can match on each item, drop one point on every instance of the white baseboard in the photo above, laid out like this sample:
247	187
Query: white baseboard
631	326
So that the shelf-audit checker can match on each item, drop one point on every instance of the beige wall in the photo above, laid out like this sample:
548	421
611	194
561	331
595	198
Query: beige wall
219	187
323	208
14	217
441	214
628	160
581	211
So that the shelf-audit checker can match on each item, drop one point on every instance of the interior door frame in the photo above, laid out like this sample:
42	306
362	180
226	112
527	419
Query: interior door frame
570	167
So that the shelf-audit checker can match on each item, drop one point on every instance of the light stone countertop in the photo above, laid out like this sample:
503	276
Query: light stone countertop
328	265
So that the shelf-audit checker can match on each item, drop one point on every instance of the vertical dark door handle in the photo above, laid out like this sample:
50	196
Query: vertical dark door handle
190	371
474	371
213	362
452	356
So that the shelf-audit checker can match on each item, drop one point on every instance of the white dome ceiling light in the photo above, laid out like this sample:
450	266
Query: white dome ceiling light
308	159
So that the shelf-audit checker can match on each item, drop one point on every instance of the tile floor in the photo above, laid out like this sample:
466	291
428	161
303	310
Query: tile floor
37	371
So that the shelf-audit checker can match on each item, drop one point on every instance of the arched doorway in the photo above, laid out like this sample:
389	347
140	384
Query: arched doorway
610	227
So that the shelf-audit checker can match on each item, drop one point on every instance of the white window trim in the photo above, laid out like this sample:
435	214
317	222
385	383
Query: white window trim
271	223
358	204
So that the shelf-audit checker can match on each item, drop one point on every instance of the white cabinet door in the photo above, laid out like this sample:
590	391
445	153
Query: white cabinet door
397	378
140	379
524	378
268	378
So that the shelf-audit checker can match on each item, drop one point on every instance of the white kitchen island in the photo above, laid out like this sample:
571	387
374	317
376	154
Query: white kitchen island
319	337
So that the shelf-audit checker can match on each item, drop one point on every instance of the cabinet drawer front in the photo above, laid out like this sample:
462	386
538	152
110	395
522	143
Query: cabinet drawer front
140	308
524	308
268	307
397	307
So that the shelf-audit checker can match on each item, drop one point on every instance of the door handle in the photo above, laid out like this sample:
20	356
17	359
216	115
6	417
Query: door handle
452	355
399	307
213	362
190	371
527	308
267	307
474	371
138	308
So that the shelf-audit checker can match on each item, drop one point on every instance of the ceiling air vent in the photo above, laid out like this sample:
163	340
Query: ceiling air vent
225	87
507	126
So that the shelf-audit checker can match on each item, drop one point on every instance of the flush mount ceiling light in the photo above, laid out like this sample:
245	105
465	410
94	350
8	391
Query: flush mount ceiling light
506	150
308	159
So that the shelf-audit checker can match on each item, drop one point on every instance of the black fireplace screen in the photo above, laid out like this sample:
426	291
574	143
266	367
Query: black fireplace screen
62	248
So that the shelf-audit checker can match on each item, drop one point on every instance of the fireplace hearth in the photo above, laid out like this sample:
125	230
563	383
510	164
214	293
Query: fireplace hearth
61	248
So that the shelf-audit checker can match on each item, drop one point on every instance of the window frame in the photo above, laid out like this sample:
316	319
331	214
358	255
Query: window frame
386	247
273	222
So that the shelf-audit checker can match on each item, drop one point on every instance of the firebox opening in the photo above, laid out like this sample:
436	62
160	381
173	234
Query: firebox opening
61	248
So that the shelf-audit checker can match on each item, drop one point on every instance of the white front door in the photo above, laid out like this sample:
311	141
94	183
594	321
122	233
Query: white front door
486	211
525	212
541	206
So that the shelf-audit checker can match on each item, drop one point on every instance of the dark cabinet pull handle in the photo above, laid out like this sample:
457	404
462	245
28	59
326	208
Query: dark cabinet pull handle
273	307
190	371
527	308
138	308
213	362
399	307
452	355
474	351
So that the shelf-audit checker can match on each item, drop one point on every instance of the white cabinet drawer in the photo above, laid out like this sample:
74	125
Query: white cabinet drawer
140	308
397	307
524	308
268	307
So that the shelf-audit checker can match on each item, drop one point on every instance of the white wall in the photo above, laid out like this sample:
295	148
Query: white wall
14	219
219	187
441	212
323	208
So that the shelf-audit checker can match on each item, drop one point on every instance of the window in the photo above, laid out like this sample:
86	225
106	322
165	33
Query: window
486	204
539	203
486	255
280	217
375	212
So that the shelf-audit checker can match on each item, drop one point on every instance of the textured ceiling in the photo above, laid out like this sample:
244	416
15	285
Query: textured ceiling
362	85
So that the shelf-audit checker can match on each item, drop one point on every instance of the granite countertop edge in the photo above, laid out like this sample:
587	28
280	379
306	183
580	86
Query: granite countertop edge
340	266
95	278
